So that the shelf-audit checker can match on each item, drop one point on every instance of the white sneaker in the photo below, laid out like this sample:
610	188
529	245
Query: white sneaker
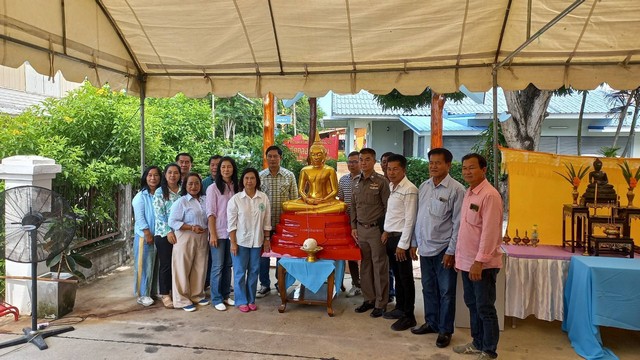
466	349
354	291
262	292
220	307
229	301
145	301
203	302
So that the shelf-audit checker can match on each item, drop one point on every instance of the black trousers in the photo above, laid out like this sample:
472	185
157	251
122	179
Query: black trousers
165	249
403	273
354	270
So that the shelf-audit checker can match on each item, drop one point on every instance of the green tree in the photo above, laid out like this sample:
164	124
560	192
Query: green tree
397	101
238	115
179	124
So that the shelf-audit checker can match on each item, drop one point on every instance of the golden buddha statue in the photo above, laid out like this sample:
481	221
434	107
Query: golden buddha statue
318	186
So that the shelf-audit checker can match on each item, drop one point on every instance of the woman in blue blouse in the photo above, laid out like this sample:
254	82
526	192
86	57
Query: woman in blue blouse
144	252
188	219
164	238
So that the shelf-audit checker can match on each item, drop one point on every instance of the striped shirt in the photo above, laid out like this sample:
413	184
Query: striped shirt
345	190
480	234
279	188
217	207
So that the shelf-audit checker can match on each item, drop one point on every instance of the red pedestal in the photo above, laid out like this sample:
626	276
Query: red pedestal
332	232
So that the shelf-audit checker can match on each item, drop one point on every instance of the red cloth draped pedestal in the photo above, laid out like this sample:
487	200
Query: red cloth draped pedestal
331	231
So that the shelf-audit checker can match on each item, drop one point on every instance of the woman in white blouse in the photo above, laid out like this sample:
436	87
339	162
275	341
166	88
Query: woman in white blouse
249	224
188	219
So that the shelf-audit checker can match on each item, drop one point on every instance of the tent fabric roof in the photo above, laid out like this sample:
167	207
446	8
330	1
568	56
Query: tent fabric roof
252	47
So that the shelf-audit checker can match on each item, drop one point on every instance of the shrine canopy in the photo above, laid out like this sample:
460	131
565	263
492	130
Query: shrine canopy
252	47
537	193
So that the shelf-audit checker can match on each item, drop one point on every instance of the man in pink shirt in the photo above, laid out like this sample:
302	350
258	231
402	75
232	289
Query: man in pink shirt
479	258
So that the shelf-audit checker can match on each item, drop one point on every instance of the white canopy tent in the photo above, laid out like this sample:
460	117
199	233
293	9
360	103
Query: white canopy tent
252	47
161	47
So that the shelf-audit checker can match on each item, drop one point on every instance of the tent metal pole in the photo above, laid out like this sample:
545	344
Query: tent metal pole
509	57
494	74
143	87
538	33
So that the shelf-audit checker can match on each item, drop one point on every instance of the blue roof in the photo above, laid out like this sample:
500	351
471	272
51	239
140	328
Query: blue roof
422	124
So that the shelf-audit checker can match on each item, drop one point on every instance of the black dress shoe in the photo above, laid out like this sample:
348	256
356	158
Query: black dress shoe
443	340
403	323
423	329
377	312
393	314
366	306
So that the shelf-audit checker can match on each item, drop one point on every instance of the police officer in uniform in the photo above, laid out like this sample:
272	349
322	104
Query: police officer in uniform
368	207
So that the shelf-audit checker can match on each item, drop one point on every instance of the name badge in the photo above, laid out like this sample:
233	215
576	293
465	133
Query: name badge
374	186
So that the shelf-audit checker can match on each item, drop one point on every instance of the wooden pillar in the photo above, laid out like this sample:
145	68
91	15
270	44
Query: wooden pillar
313	120
437	106
268	124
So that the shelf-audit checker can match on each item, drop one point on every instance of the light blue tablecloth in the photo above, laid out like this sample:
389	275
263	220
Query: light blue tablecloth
312	275
600	291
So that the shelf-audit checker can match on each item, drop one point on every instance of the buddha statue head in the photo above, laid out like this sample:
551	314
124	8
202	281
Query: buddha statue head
317	152
597	164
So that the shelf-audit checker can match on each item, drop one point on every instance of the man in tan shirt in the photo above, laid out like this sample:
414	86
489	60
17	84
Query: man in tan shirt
368	207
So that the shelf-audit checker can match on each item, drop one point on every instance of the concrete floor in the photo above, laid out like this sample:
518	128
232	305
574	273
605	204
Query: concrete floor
110	325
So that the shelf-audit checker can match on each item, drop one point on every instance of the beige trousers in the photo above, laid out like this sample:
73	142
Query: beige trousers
188	267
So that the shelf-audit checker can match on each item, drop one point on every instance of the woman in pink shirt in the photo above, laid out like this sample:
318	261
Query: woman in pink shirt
218	195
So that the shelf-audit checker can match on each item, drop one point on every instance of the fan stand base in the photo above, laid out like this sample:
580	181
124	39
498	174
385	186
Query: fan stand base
35	337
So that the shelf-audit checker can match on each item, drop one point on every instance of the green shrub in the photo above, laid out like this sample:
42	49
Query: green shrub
418	171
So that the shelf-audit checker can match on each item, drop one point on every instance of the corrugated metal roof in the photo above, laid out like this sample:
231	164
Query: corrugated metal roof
422	124
363	104
14	102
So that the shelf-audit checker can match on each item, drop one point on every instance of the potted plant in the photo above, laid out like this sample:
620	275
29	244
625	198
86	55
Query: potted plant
57	289
631	179
574	178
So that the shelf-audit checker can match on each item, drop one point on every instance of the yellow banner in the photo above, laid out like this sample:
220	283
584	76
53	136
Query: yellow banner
537	193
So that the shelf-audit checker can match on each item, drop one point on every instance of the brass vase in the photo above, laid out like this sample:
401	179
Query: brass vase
506	239
575	194
630	196
516	239
525	239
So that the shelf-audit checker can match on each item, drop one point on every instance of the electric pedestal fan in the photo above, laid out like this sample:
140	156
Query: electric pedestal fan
35	224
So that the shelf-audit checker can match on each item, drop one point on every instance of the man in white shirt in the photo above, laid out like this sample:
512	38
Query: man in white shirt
398	229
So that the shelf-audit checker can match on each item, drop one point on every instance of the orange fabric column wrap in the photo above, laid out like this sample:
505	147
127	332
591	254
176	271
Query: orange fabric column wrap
268	124
437	106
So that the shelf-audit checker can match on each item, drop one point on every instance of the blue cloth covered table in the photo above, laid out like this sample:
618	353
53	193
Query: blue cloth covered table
312	274
600	291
